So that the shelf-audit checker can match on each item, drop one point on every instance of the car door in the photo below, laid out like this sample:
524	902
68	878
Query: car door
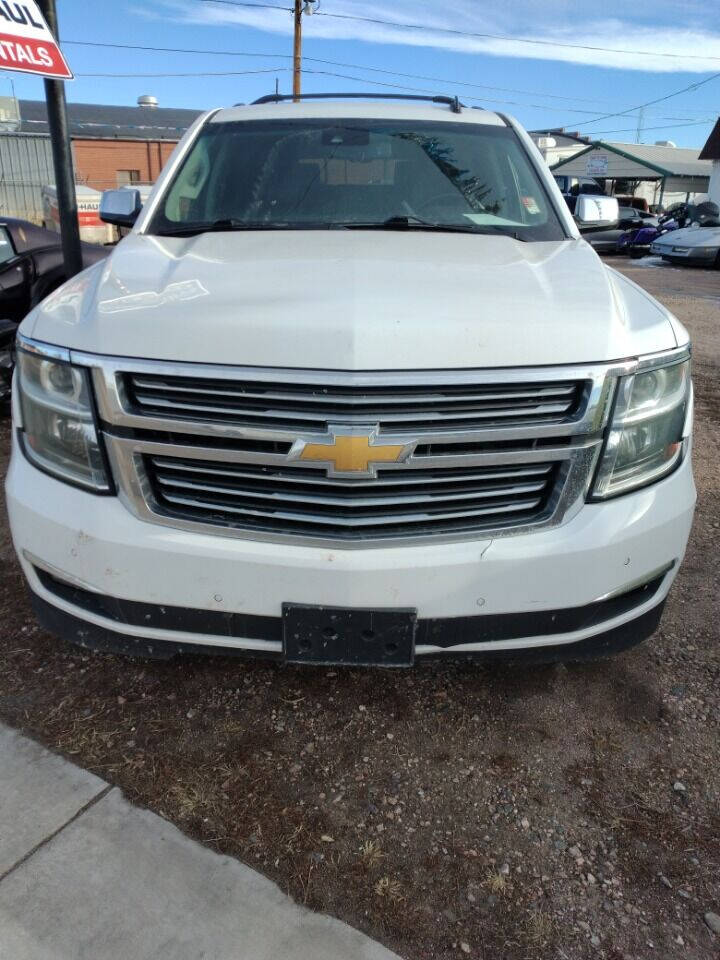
15	279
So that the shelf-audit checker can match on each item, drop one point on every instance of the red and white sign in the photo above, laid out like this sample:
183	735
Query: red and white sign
26	43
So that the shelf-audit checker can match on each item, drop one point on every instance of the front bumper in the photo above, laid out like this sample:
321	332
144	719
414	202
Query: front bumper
544	583
697	255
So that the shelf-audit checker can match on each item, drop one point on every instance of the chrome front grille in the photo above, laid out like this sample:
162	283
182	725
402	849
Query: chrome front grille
307	502
432	405
222	449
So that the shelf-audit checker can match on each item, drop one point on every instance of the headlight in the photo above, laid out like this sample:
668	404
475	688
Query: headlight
58	427
645	441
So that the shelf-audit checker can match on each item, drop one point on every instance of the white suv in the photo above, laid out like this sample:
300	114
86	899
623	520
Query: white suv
353	390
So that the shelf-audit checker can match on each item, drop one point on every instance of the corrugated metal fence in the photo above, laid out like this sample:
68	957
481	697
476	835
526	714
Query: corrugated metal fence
25	168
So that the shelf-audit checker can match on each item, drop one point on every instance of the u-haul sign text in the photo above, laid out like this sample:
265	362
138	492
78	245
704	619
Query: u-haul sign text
26	43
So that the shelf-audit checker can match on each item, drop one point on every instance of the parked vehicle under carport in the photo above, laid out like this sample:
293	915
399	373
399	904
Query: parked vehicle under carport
605	239
696	244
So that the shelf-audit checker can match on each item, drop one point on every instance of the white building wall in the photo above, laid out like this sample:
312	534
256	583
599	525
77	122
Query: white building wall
554	155
714	188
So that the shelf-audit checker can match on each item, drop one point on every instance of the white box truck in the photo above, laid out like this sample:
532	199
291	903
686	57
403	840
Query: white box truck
92	228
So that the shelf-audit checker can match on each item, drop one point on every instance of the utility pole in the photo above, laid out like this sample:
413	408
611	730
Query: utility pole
641	116
299	8
62	158
297	49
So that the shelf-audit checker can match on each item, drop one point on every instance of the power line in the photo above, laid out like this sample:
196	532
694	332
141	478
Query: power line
693	123
481	36
202	73
650	103
310	71
355	66
343	76
330	63
261	6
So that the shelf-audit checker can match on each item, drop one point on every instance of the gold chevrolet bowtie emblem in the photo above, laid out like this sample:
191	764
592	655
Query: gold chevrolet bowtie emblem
350	453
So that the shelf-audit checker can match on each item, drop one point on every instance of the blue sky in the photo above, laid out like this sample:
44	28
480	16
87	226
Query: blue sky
539	82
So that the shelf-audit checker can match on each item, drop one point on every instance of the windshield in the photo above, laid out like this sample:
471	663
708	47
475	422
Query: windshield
335	173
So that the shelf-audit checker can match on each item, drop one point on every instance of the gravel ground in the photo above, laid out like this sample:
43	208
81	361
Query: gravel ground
451	810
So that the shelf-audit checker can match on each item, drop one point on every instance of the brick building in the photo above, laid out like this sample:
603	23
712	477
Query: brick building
103	164
113	145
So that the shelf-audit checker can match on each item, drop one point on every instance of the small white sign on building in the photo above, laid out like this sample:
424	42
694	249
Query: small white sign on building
596	165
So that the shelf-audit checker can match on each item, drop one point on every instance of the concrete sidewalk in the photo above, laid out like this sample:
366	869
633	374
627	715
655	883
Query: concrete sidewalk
84	875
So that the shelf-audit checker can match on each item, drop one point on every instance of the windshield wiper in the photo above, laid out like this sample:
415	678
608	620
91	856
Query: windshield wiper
219	226
403	222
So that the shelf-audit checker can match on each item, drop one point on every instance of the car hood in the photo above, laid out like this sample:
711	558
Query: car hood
691	237
353	300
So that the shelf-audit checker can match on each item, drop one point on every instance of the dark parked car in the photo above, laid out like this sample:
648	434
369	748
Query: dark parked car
31	267
605	239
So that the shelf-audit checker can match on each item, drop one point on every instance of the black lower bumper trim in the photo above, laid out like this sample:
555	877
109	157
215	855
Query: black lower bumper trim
155	616
445	632
92	637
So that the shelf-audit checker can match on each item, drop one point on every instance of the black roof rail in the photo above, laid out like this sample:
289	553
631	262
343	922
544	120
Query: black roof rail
452	102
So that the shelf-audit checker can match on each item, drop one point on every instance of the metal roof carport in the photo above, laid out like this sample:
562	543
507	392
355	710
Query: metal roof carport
676	168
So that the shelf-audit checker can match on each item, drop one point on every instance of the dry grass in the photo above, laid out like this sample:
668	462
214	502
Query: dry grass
192	800
390	889
539	928
496	883
371	854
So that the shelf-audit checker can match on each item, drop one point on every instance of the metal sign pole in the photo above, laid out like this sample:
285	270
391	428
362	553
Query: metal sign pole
62	158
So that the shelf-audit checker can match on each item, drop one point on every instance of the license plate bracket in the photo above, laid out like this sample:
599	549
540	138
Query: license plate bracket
332	636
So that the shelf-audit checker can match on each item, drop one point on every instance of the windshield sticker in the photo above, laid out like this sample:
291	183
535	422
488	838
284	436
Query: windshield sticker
530	205
492	220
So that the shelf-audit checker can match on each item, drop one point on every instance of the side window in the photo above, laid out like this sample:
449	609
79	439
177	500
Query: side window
184	195
527	202
7	251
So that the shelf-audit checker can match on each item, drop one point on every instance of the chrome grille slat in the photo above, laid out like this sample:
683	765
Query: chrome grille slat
548	409
357	522
161	387
391	417
304	475
351	500
273	405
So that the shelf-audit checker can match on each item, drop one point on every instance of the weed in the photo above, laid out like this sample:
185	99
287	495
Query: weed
391	889
371	854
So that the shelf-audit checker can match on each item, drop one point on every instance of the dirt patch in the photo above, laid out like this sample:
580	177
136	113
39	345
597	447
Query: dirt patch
525	813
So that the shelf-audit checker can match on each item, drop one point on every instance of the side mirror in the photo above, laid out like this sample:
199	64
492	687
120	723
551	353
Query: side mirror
120	207
594	211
